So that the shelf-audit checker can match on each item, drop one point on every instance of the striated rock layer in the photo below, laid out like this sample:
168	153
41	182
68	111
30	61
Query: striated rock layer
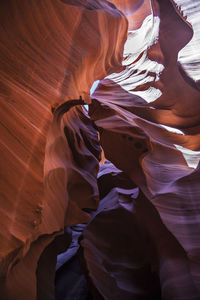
51	52
150	113
147	113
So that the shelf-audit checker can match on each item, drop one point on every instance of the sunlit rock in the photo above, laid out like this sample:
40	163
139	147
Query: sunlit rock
145	115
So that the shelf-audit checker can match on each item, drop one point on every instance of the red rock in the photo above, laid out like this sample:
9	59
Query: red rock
146	111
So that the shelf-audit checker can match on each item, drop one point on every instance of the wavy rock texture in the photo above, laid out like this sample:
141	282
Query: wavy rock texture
117	249
51	52
150	113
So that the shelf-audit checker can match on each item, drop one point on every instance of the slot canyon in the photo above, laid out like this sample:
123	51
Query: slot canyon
100	150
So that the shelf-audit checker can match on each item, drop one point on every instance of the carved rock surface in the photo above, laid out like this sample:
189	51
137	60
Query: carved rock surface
147	113
51	52
117	249
150	113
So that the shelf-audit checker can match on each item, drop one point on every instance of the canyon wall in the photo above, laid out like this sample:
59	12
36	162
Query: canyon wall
144	114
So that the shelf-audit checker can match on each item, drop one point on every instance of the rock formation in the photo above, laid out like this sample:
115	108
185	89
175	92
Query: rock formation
141	240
